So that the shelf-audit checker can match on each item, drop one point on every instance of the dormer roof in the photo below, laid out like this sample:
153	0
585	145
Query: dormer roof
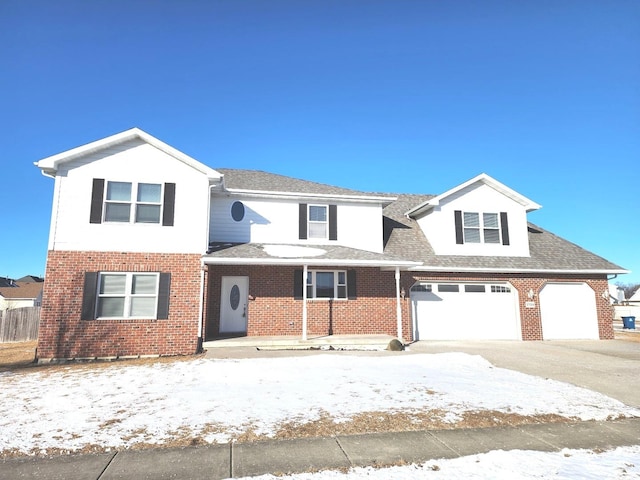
50	165
484	179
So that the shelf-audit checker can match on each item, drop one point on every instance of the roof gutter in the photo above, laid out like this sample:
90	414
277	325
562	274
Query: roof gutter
301	195
326	262
423	268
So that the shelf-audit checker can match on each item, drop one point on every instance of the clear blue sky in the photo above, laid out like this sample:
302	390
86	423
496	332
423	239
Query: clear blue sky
389	96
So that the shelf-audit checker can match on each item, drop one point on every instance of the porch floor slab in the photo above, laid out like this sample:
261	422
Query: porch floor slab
291	342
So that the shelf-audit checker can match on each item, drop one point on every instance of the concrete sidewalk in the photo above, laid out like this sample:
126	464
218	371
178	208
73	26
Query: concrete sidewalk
301	455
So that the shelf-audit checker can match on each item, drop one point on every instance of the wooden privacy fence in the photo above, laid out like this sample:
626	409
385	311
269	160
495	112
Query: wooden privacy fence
19	324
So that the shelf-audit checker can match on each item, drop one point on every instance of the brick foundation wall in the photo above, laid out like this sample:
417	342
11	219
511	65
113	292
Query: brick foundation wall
273	310
63	335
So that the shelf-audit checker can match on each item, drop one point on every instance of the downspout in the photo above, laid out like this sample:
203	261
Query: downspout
398	304
201	308
202	270
55	208
304	302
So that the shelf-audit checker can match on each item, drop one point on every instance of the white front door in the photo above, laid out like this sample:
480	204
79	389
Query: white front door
233	304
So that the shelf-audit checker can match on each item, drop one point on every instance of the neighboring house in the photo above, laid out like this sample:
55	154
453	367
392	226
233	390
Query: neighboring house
635	298
152	253
616	294
22	294
7	282
30	278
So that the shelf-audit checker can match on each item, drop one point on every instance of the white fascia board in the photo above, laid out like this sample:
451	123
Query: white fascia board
308	261
423	207
319	196
423	268
49	165
530	205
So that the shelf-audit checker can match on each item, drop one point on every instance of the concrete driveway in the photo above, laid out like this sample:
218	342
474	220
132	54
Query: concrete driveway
611	367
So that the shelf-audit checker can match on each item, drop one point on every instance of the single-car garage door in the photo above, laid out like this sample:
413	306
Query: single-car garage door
465	311
568	311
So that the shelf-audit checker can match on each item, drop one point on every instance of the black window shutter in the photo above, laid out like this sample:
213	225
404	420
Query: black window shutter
89	292
168	207
163	296
333	222
297	284
504	227
351	285
457	215
97	194
302	219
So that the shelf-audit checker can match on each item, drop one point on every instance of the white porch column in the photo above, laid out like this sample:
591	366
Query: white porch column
398	304
304	302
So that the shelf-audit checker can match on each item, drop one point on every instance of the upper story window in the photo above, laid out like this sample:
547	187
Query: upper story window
130	202
319	222
126	201
481	227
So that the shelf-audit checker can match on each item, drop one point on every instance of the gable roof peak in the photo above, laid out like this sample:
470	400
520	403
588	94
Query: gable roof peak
482	178
49	166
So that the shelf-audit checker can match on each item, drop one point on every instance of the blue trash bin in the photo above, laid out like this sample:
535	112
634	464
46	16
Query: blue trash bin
629	323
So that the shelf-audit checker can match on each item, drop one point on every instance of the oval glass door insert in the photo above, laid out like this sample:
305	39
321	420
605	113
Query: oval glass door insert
234	297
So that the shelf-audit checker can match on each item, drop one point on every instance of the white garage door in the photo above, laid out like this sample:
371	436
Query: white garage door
568	311
465	311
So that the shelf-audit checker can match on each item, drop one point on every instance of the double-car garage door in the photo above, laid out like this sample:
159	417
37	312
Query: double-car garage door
490	311
465	311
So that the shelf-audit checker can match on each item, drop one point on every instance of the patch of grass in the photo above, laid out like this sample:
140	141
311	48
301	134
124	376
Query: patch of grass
17	354
377	422
20	355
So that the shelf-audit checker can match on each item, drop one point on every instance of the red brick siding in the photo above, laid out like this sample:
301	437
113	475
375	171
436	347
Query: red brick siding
63	334
274	311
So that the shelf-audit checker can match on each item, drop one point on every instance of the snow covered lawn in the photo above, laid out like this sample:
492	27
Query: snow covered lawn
96	407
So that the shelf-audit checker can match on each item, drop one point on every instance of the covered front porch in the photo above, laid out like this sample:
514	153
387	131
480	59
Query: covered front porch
301	297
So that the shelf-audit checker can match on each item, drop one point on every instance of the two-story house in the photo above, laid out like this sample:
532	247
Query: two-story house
152	253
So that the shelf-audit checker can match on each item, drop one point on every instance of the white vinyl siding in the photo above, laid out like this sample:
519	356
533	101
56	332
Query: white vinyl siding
136	163
275	221
438	224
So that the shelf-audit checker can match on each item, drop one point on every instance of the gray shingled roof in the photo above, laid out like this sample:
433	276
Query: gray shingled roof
403	238
333	253
547	251
257	180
